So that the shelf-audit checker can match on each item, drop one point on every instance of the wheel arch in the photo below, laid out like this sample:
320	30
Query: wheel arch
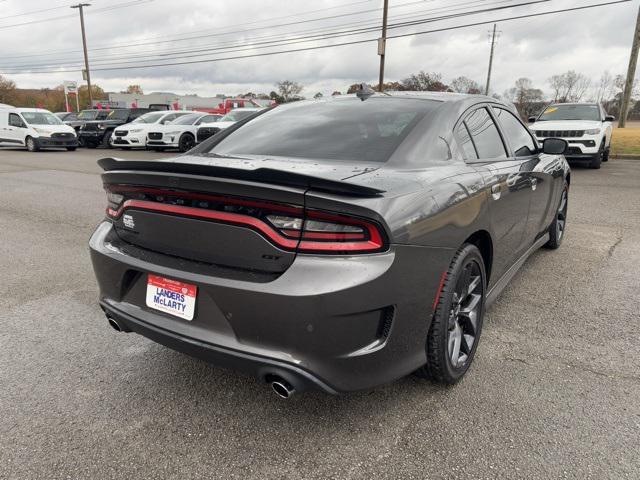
482	240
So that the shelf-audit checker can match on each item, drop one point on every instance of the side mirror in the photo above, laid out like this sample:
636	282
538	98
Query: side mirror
609	118
554	146
532	119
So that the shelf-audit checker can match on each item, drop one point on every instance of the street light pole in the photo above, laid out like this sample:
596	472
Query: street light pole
80	7
631	73
382	43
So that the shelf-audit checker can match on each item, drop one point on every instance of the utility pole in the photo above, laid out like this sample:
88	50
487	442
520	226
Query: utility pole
631	74
382	43
493	45
80	7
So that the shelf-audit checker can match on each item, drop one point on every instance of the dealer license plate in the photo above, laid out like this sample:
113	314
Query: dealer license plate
172	297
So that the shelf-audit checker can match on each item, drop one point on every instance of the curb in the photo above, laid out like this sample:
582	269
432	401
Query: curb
625	156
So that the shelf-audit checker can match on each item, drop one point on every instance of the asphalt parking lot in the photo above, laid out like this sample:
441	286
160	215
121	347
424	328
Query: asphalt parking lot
554	391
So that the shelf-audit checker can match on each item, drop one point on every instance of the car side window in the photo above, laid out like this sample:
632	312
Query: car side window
465	142
519	138
485	135
16	121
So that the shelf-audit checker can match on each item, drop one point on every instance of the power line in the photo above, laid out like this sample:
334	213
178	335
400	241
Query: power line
97	10
323	36
318	47
153	52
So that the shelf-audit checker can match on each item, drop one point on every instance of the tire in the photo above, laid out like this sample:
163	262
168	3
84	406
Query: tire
71	149
457	322
186	142
596	162
607	151
32	144
559	224
106	140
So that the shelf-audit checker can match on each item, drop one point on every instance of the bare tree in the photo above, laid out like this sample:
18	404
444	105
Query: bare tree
423	81
527	99
465	85
569	86
289	91
604	86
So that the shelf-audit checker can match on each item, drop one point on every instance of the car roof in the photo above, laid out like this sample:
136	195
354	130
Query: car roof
32	110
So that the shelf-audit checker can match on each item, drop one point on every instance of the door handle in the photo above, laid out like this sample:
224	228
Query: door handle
496	191
534	183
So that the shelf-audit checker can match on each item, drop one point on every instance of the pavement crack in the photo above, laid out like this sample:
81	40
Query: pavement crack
613	247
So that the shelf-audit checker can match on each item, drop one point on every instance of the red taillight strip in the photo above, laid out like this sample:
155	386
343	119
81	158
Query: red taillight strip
310	242
224	217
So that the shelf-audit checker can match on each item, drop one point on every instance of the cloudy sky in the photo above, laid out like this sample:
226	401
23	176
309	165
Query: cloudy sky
43	36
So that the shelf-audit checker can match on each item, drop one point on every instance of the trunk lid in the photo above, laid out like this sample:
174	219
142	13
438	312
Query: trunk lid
227	212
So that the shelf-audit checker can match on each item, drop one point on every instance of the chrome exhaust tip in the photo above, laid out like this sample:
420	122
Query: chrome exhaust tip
282	388
114	324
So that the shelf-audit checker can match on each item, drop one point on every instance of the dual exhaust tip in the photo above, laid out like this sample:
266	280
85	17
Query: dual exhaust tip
279	385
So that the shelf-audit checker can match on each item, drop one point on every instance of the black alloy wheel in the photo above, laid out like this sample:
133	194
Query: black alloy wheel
186	143
457	322
559	224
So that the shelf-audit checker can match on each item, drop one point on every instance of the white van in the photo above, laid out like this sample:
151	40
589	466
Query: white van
34	128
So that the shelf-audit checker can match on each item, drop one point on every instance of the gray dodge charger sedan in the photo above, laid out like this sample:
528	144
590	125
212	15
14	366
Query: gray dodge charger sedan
335	244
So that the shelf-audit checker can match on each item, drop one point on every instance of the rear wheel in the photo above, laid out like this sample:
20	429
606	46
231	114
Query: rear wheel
31	144
186	143
457	323
559	224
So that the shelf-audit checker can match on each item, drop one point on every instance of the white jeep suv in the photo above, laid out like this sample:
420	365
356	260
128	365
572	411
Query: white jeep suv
586	126
181	133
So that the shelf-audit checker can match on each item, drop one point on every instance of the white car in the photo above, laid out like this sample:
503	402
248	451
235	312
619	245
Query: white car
586	126
134	134
34	128
229	119
181	133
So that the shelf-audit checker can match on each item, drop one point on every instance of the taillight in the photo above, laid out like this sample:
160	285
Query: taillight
288	226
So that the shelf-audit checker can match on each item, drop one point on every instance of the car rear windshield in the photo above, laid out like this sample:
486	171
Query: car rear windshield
345	129
571	112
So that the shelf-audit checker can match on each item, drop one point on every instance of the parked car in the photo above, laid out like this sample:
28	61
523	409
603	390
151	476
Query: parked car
335	244
229	119
586	126
134	134
181	133
98	132
35	128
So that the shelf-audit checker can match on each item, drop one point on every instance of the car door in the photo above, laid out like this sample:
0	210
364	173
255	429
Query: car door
16	130
507	180
541	171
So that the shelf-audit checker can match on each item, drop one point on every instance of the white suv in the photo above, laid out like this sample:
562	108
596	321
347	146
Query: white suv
134	134
586	126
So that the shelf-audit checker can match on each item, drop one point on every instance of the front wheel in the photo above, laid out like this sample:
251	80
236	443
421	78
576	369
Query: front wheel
186	143
457	323
32	145
597	160
559	224
106	140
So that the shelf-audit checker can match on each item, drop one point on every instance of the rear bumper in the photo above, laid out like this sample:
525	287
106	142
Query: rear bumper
334	323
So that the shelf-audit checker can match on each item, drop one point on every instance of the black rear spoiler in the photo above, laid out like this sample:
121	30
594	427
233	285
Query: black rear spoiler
260	175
